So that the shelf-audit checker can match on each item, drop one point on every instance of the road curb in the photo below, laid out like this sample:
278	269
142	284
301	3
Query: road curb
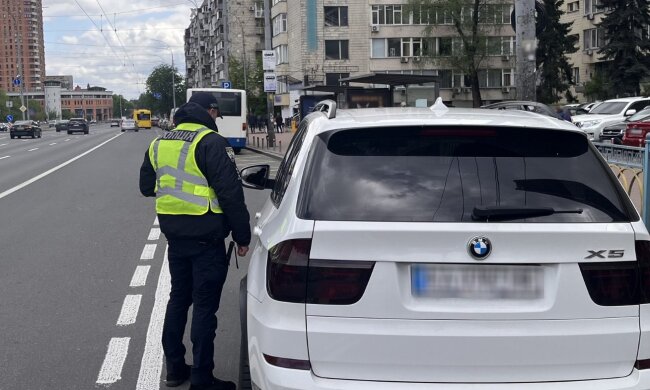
269	154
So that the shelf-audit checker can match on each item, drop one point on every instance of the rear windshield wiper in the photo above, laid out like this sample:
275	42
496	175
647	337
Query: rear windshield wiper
500	213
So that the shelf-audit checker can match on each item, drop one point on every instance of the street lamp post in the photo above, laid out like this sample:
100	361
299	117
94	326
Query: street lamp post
20	77
171	52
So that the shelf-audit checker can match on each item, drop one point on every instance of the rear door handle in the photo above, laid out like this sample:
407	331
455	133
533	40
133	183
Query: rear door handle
257	231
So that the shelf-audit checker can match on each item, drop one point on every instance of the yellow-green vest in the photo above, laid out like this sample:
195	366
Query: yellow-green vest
181	187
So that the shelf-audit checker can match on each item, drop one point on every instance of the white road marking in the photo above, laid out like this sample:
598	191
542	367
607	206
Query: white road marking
3	144
56	168
154	234
31	150
68	139
148	252
53	143
129	311
111	370
4	157
139	278
155	222
152	359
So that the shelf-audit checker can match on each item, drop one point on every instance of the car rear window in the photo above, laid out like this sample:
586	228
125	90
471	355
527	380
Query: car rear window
433	174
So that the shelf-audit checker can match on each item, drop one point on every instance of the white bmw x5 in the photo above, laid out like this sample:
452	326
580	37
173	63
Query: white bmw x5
435	248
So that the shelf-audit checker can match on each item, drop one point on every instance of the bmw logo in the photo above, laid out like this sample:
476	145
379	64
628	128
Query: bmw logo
479	247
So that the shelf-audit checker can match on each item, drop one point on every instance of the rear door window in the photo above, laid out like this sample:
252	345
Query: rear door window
433	174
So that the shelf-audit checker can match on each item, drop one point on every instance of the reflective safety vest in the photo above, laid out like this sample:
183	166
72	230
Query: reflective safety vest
181	187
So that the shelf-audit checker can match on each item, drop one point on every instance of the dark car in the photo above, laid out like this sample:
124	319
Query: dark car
77	125
61	125
539	108
616	132
25	129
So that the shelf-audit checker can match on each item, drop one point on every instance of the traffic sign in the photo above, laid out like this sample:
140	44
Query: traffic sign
226	84
10	118
9	104
16	82
23	108
157	95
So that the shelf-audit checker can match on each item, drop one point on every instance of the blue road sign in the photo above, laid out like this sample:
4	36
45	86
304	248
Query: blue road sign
10	118
226	84
157	95
16	82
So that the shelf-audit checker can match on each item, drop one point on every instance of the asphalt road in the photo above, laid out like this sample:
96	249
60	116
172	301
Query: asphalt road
81	287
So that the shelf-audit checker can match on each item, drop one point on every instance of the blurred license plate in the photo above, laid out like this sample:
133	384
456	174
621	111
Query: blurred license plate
484	282
635	131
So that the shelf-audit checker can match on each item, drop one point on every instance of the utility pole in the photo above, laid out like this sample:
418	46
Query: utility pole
526	45
268	45
19	53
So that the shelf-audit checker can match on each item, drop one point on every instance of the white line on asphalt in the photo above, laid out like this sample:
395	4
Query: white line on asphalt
53	143
4	157
130	309
139	278
111	370
68	139
152	359
56	168
148	252
155	221
154	234
3	144
31	150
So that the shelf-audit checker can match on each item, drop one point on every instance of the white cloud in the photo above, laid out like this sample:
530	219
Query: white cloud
148	31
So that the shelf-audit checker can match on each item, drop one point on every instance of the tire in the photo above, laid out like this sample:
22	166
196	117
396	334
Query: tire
11	136
237	150
57	130
40	135
122	130
245	382
33	135
86	132
69	132
136	130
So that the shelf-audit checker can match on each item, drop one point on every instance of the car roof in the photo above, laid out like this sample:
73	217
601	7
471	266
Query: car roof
410	116
627	99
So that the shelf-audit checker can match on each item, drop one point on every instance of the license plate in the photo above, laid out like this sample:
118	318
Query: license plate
636	131
477	282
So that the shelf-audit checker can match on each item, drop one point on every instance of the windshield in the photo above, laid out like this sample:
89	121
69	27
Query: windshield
609	108
443	174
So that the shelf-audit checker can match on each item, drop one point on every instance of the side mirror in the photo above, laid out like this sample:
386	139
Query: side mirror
630	112
257	177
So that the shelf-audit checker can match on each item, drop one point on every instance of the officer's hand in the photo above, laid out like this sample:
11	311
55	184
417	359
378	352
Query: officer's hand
242	250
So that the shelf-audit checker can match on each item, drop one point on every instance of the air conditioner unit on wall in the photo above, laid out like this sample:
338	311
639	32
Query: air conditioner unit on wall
404	60
417	59
252	8
374	28
590	16
457	90
505	58
589	52
505	89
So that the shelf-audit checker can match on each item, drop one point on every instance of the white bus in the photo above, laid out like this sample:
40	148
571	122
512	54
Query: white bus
233	108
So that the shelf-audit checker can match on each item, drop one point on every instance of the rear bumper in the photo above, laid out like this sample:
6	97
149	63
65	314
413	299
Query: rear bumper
276	378
22	133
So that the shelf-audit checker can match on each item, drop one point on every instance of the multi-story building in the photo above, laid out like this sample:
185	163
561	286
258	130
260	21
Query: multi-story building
21	45
218	30
95	103
64	80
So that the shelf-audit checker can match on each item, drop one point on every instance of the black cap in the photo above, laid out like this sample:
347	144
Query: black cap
205	100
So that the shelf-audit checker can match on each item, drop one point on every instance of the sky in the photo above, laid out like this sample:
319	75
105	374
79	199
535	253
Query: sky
114	44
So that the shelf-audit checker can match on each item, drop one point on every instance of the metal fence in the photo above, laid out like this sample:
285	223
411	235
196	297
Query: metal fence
627	156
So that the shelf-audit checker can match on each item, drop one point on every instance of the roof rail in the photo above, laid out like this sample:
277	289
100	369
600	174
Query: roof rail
327	106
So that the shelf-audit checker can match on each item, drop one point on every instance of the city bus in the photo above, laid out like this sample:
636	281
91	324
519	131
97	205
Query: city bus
142	118
233	108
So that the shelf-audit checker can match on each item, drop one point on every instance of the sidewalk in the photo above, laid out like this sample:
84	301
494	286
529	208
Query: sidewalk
258	142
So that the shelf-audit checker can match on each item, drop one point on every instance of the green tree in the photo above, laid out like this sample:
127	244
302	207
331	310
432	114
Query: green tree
254	85
120	101
598	88
159	83
554	42
625	44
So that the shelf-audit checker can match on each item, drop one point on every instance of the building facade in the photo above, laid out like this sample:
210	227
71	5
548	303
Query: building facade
22	53
65	81
78	103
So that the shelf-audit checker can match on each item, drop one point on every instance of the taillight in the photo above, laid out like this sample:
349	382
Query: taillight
293	277
620	283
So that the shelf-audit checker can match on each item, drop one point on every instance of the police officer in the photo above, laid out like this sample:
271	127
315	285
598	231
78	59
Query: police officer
199	200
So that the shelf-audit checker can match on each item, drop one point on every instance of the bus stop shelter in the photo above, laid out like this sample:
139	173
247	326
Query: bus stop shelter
393	80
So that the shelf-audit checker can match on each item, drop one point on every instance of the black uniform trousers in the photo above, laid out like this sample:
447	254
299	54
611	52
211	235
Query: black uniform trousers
198	271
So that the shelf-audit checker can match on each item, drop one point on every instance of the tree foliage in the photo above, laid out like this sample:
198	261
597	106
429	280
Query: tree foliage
120	101
626	44
159	83
554	42
254	84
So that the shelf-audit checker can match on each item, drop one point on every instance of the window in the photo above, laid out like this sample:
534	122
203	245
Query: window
593	38
336	50
394	47
576	75
281	54
378	48
592	7
285	170
333	78
411	47
573	6
508	78
279	24
448	175
444	78
444	46
336	16
387	14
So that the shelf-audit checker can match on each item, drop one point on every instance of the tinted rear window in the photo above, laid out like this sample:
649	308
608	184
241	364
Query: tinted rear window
229	102
441	174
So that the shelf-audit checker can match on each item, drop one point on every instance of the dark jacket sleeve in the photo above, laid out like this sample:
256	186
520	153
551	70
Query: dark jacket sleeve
147	177
214	160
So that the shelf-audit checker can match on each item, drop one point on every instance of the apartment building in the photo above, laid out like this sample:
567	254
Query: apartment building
218	30
21	45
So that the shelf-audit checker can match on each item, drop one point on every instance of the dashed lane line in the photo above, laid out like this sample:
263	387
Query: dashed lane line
130	309
31	150
148	252
3	157
53	143
111	370
139	278
154	234
152	359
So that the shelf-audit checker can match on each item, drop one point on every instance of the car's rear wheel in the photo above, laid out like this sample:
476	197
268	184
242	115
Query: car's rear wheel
11	136
237	150
244	368
33	135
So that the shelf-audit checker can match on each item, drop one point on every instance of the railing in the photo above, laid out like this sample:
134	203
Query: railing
627	156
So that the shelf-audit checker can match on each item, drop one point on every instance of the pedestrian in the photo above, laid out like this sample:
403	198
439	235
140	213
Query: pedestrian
261	123
563	113
251	122
278	123
199	200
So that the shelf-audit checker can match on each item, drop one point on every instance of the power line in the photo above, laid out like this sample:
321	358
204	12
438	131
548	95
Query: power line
88	44
115	31
117	13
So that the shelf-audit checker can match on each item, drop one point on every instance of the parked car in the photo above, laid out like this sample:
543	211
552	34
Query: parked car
607	113
77	125
129	124
155	121
115	122
537	107
615	132
575	109
461	248
4	127
62	125
636	131
26	128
